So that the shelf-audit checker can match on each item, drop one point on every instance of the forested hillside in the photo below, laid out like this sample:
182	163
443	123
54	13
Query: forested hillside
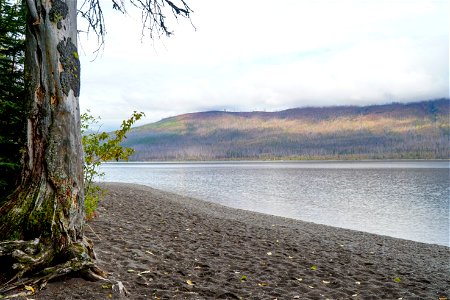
395	131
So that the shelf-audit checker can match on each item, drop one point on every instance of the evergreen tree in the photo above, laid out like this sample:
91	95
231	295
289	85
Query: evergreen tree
12	116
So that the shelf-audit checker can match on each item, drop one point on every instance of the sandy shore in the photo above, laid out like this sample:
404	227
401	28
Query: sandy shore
165	246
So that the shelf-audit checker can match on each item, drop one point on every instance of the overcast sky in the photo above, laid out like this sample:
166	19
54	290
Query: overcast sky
269	55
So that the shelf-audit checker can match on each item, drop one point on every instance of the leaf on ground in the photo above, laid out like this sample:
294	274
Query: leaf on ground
190	282
244	278
313	267
397	279
144	272
130	271
107	286
29	288
299	279
326	282
262	284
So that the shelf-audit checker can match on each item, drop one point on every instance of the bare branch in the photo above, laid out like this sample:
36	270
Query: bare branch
153	14
92	12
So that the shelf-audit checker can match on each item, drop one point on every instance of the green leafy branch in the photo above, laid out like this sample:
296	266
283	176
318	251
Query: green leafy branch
101	147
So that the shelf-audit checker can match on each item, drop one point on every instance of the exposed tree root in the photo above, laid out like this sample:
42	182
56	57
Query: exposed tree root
31	263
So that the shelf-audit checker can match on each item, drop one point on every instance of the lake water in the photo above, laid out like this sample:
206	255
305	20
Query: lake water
404	199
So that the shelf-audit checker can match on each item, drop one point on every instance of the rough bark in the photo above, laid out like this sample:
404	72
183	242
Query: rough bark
41	224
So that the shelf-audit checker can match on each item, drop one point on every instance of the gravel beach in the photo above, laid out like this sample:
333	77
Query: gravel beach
166	246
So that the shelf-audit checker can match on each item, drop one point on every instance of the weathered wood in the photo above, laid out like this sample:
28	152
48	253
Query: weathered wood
52	182
41	224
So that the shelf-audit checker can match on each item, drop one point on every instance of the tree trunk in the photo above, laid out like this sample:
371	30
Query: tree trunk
41	224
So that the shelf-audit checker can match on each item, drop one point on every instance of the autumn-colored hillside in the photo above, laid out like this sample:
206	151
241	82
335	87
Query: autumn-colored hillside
415	131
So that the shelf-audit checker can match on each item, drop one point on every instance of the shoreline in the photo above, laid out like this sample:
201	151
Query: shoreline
337	201
243	215
278	161
163	245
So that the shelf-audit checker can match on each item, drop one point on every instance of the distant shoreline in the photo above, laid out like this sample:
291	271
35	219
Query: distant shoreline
274	161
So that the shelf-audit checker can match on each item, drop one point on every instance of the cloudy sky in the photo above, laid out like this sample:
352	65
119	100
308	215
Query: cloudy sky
269	55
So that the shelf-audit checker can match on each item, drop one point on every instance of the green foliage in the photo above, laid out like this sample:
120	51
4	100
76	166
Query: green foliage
101	147
12	90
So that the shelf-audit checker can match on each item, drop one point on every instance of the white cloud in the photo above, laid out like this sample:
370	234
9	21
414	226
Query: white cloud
257	55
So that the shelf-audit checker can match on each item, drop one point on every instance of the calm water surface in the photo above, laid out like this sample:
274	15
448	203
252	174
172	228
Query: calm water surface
402	199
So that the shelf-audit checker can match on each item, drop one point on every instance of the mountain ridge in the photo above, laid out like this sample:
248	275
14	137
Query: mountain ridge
397	130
